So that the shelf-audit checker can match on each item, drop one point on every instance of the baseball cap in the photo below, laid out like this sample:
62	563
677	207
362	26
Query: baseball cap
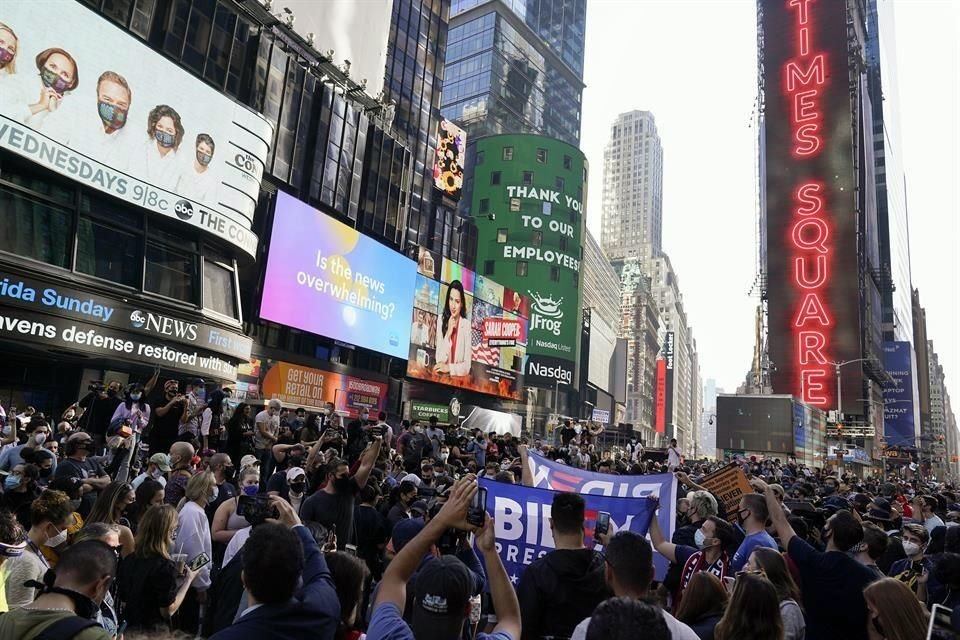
441	598
404	531
419	508
162	461
295	472
249	461
412	477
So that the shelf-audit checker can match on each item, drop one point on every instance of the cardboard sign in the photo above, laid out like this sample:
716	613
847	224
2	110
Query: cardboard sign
729	484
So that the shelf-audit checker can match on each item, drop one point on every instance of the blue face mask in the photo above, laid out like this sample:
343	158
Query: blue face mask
11	482
165	139
251	490
135	396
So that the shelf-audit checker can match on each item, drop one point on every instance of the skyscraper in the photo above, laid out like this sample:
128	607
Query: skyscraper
632	189
516	67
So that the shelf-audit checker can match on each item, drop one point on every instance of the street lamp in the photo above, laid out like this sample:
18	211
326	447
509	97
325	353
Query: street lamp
837	365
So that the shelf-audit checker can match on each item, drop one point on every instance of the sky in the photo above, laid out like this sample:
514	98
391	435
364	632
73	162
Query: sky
692	63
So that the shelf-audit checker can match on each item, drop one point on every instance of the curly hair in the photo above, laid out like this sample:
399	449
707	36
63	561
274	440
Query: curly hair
10	530
165	111
51	506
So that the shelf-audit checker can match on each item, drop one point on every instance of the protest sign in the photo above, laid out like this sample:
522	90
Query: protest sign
729	484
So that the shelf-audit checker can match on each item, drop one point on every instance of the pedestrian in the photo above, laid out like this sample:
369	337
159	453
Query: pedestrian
752	517
774	567
265	435
50	516
910	569
704	603
621	618
894	612
753	612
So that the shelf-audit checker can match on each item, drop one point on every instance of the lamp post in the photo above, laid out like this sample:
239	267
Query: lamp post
837	365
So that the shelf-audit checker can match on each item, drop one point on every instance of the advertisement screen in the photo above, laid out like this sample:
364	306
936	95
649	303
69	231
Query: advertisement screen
755	423
898	424
467	330
85	99
449	160
329	279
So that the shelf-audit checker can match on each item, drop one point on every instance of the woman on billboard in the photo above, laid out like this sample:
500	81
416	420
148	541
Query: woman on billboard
58	76
453	344
159	163
9	90
197	182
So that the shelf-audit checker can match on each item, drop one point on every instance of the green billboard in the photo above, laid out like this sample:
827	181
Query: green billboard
527	204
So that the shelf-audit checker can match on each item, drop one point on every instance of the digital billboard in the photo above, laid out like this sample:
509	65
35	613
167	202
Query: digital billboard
449	160
755	423
83	98
467	331
329	279
527	204
810	219
899	429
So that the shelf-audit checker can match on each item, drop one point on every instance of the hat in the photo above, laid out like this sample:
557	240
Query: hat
249	461
441	597
836	503
162	461
404	531
412	477
295	472
419	506
880	510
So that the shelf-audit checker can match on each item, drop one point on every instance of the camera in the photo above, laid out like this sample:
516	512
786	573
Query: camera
256	509
97	386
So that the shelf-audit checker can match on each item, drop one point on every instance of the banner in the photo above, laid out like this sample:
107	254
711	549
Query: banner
298	386
451	156
522	517
548	474
729	484
83	98
899	429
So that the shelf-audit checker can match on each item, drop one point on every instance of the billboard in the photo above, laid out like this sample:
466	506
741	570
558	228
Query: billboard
755	423
83	98
449	159
660	398
329	279
527	204
467	331
899	429
669	350
811	251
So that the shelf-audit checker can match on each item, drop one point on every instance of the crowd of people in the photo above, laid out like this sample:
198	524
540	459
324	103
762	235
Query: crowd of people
161	511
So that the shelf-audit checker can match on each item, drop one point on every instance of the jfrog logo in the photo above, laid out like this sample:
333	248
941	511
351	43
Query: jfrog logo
137	319
547	314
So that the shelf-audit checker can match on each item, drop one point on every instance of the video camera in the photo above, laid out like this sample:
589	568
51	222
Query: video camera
256	509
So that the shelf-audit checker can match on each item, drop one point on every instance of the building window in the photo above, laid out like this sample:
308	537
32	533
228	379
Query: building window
170	272
514	205
555	274
567	163
501	235
560	184
219	287
546	207
528	178
479	158
484	205
542	156
495	177
488	267
508	153
31	229
563	243
537	238
522	268
106	251
573	217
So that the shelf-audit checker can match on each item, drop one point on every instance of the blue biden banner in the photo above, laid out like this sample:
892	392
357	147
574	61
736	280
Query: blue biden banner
522	517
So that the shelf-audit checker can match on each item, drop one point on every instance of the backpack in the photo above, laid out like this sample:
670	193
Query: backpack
65	628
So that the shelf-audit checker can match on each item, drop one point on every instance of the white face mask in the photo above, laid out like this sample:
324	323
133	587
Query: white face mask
444	455
40	438
215	493
58	539
911	548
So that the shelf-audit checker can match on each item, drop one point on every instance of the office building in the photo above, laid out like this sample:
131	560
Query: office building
640	328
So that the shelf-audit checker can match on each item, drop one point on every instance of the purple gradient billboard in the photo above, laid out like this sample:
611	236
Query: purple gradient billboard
329	279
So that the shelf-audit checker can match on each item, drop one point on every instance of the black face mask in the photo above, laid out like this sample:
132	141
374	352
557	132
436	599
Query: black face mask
296	461
341	485
298	487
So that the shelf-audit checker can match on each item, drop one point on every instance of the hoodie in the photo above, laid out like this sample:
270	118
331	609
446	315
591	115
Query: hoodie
559	590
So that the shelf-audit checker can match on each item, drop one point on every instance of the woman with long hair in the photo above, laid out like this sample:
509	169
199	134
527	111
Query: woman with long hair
349	579
147	579
893	611
774	567
110	508
240	433
148	494
453	343
193	539
753	612
703	604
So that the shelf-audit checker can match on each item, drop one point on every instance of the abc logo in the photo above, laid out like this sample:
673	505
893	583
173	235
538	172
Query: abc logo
137	319
184	209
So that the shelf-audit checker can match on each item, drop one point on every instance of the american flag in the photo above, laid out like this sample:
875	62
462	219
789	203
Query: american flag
482	351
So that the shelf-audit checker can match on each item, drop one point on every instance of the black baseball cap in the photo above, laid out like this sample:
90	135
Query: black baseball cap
441	598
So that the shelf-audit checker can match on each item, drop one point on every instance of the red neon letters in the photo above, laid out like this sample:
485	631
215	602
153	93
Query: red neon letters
804	82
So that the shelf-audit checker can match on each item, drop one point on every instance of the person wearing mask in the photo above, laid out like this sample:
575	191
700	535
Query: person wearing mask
99	406
240	433
222	469
872	548
753	612
77	465
107	137
50	516
149	494
193	539
561	588
151	586
894	612
831	582
290	592
13	543
332	505
157	465
110	509
168	410
68	606
158	160
752	517
181	470
198	182
704	603
133	410
372	530
59	76
38	432
923	512
674	457
189	428
478	447
628	571
406	496
227	522
21	487
774	568
909	570
266	431
444	586
437	434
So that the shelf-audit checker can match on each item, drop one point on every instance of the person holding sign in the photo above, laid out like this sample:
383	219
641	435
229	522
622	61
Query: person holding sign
453	344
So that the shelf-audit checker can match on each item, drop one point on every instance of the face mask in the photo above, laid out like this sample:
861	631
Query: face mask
6	57
298	487
136	396
740	517
341	485
45	473
11	482
911	549
165	139
58	539
204	158
113	116
250	490
215	493
418	429
700	539
40	438
53	81
111	392
444	455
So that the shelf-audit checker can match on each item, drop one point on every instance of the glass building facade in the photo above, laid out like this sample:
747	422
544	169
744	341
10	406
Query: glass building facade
516	67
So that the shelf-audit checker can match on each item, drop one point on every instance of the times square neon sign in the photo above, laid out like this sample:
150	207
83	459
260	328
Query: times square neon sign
804	84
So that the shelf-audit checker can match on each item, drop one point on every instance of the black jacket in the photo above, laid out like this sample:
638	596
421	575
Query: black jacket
559	590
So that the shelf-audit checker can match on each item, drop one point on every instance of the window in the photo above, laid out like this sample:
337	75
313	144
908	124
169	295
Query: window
495	177
522	268
484	205
31	229
537	238
560	184
546	207
219	287
528	178
514	205
555	274
563	243
480	158
501	236
508	153
542	156
106	251
567	163
573	216
170	272
488	267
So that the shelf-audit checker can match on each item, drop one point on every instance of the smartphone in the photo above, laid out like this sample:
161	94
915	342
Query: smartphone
603	525
728	582
477	513
351	549
199	562
940	625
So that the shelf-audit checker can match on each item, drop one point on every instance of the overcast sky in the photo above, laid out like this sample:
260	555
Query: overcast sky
693	64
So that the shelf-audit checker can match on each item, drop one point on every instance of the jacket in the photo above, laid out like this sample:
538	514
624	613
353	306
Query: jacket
312	613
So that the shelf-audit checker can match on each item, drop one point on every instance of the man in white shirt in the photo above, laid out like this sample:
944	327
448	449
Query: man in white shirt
673	456
628	572
266	427
107	138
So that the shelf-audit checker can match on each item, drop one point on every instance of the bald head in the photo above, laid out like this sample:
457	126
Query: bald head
181	453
